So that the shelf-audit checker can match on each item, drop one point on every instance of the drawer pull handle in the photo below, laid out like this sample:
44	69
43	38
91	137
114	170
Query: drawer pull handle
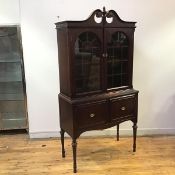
123	108
92	115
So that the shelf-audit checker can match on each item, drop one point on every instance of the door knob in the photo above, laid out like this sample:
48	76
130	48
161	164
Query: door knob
92	115
123	108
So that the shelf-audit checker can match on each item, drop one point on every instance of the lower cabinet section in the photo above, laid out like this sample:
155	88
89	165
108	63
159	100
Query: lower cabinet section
97	112
106	111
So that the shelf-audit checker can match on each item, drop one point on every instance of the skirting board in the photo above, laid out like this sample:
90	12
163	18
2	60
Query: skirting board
109	132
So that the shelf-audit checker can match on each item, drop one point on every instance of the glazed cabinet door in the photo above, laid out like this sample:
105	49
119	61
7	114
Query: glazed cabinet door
87	62
118	57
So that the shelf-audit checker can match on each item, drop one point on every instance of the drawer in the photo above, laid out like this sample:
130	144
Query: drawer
123	107
91	114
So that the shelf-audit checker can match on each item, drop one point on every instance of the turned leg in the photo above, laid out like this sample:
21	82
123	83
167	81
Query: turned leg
74	148
62	142
134	136
117	132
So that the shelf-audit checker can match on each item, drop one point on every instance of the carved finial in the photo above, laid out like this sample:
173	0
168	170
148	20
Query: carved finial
104	10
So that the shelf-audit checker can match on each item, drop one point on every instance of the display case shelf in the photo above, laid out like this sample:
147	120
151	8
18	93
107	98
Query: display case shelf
11	97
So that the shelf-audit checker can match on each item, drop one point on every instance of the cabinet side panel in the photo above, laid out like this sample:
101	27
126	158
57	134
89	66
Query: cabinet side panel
66	116
131	40
63	59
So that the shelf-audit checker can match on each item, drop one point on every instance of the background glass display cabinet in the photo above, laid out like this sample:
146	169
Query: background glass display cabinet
13	113
95	68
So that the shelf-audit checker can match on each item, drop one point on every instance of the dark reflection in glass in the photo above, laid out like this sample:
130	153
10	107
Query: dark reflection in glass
117	62
87	62
12	108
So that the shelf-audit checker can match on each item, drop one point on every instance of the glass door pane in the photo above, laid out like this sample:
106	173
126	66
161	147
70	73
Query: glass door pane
117	60
87	62
12	98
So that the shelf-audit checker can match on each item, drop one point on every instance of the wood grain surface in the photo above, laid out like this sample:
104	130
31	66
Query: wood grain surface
20	155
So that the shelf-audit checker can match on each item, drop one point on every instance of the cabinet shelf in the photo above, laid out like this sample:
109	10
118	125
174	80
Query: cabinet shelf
10	57
11	97
117	47
10	61
86	64
17	122
10	79
11	87
12	115
85	79
119	74
111	60
86	48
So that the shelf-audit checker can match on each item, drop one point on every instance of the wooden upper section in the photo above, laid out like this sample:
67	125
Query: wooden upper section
103	16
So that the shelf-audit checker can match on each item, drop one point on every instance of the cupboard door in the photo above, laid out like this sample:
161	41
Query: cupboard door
117	58
87	62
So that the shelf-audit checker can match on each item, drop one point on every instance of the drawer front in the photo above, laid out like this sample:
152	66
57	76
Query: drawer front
91	114
123	107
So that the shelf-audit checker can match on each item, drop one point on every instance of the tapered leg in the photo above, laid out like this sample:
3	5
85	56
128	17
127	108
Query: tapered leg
117	132
74	149
134	136
62	142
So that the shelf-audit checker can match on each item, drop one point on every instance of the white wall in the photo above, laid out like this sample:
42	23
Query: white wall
154	60
41	65
9	12
155	64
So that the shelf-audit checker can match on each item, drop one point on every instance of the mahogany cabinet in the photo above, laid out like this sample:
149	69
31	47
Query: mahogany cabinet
95	68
